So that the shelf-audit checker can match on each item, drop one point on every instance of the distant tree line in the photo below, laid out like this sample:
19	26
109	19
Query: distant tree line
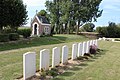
67	16
111	31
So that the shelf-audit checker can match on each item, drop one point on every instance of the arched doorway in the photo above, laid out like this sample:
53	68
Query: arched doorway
35	29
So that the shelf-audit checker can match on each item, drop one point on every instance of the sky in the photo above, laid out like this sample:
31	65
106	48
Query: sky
111	11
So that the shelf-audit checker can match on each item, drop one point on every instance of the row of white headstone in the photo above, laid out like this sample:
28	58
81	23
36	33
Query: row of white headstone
29	58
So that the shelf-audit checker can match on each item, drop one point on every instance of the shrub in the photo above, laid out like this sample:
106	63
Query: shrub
13	36
25	32
4	37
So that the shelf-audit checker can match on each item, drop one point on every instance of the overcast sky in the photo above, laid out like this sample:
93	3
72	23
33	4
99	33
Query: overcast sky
111	10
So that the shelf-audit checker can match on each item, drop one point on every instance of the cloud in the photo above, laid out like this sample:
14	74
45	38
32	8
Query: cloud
31	3
112	5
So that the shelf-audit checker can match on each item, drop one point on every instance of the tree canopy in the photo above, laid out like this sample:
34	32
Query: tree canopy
69	12
12	14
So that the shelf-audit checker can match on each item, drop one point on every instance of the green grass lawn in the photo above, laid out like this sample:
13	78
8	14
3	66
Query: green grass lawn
11	60
56	39
104	66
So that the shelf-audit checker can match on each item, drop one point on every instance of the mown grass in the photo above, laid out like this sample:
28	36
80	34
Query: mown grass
11	60
56	39
104	66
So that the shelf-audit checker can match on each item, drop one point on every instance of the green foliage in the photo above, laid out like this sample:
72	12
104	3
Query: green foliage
43	73
4	37
26	32
13	36
53	72
102	30
112	30
88	27
12	14
42	13
70	11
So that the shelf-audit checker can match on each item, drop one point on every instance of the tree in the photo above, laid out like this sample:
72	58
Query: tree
12	14
86	11
112	28
53	8
42	13
72	11
88	27
111	31
45	14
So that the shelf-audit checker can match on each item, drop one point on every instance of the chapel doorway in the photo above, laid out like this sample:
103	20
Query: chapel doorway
35	29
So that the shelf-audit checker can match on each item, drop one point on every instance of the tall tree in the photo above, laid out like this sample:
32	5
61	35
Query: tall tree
86	11
81	11
53	8
12	13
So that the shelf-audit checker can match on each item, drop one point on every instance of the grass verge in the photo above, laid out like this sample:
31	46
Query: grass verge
11	60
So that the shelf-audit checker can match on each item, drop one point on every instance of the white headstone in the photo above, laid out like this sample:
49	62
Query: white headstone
64	54
80	49
29	65
88	46
113	40
91	42
83	48
44	59
55	56
100	39
104	38
96	42
74	51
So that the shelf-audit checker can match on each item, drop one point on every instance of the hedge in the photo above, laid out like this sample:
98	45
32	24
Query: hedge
13	36
26	32
4	37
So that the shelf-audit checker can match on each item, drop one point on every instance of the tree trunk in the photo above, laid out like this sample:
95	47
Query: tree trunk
68	28
77	30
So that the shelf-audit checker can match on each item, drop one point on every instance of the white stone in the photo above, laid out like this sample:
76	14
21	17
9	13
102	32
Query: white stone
29	65
44	59
91	42
64	54
55	56
88	46
80	49
74	51
104	38
96	42
83	48
100	39
113	40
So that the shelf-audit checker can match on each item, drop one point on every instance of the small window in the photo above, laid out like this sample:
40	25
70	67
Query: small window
46	29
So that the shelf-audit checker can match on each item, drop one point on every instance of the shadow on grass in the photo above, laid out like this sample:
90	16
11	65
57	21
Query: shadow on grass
83	64
99	54
90	60
38	41
57	79
75	68
67	74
